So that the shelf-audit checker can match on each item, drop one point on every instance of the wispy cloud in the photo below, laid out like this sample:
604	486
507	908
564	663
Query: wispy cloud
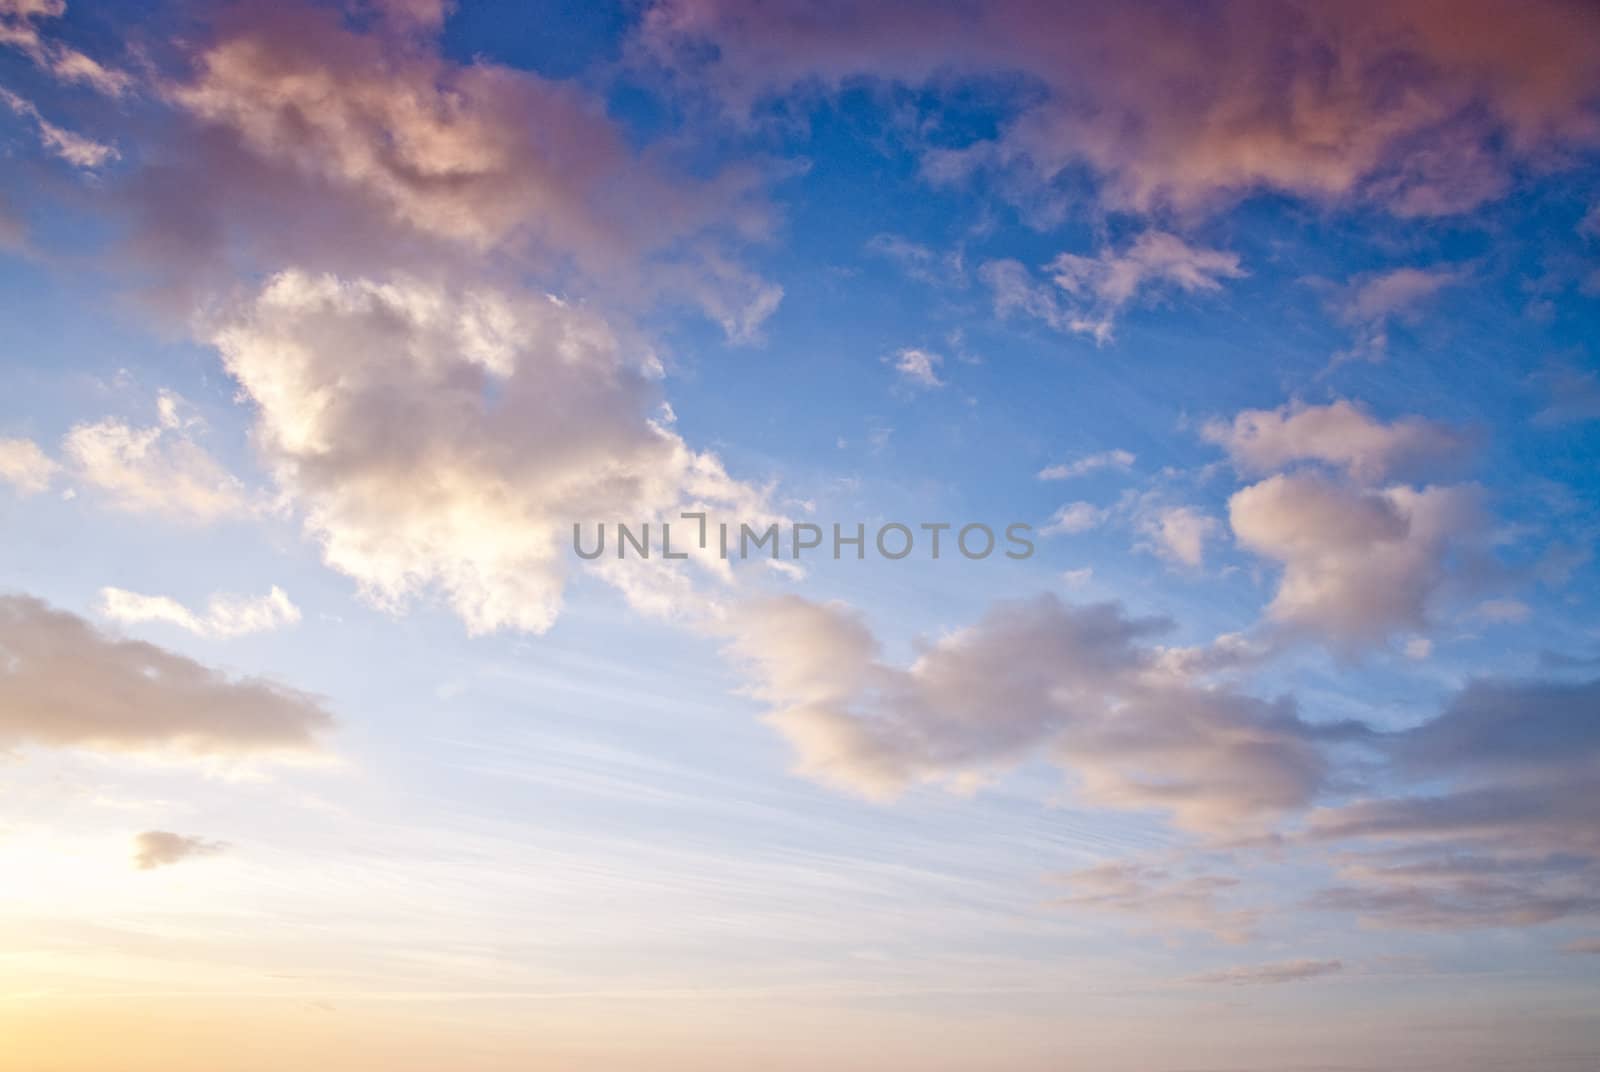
1089	463
1287	971
918	368
1089	294
225	615
160	848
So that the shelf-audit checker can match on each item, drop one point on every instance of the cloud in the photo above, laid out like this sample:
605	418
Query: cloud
1073	518
1339	434
1503	836
1420	108
1091	292
918	368
1178	533
1372	301
18	31
1509	728
1288	971
1583	946
919	262
1089	463
359	143
523	416
24	466
65	684
158	848
471	152
1503	611
70	146
158	469
225	615
1031	676
1574	396
1160	899
1358	564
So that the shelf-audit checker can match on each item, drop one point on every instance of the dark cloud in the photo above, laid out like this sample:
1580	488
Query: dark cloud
1507	837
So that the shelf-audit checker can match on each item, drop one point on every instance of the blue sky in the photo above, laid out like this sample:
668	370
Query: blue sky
325	323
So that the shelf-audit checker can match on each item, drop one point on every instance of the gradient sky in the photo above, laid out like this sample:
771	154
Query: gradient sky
324	323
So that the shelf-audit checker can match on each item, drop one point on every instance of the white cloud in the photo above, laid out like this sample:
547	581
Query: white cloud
1073	518
1077	578
919	368
1178	533
1089	463
68	685
1338	434
1358	564
24	466
225	615
159	469
521	417
1091	292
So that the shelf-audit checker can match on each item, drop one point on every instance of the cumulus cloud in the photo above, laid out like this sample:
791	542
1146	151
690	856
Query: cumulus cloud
1287	971
522	416
225	615
1358	565
1339	434
1420	107
1077	683
160	848
25	467
66	684
1089	463
1090	293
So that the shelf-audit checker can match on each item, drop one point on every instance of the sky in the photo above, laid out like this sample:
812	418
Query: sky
1261	337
